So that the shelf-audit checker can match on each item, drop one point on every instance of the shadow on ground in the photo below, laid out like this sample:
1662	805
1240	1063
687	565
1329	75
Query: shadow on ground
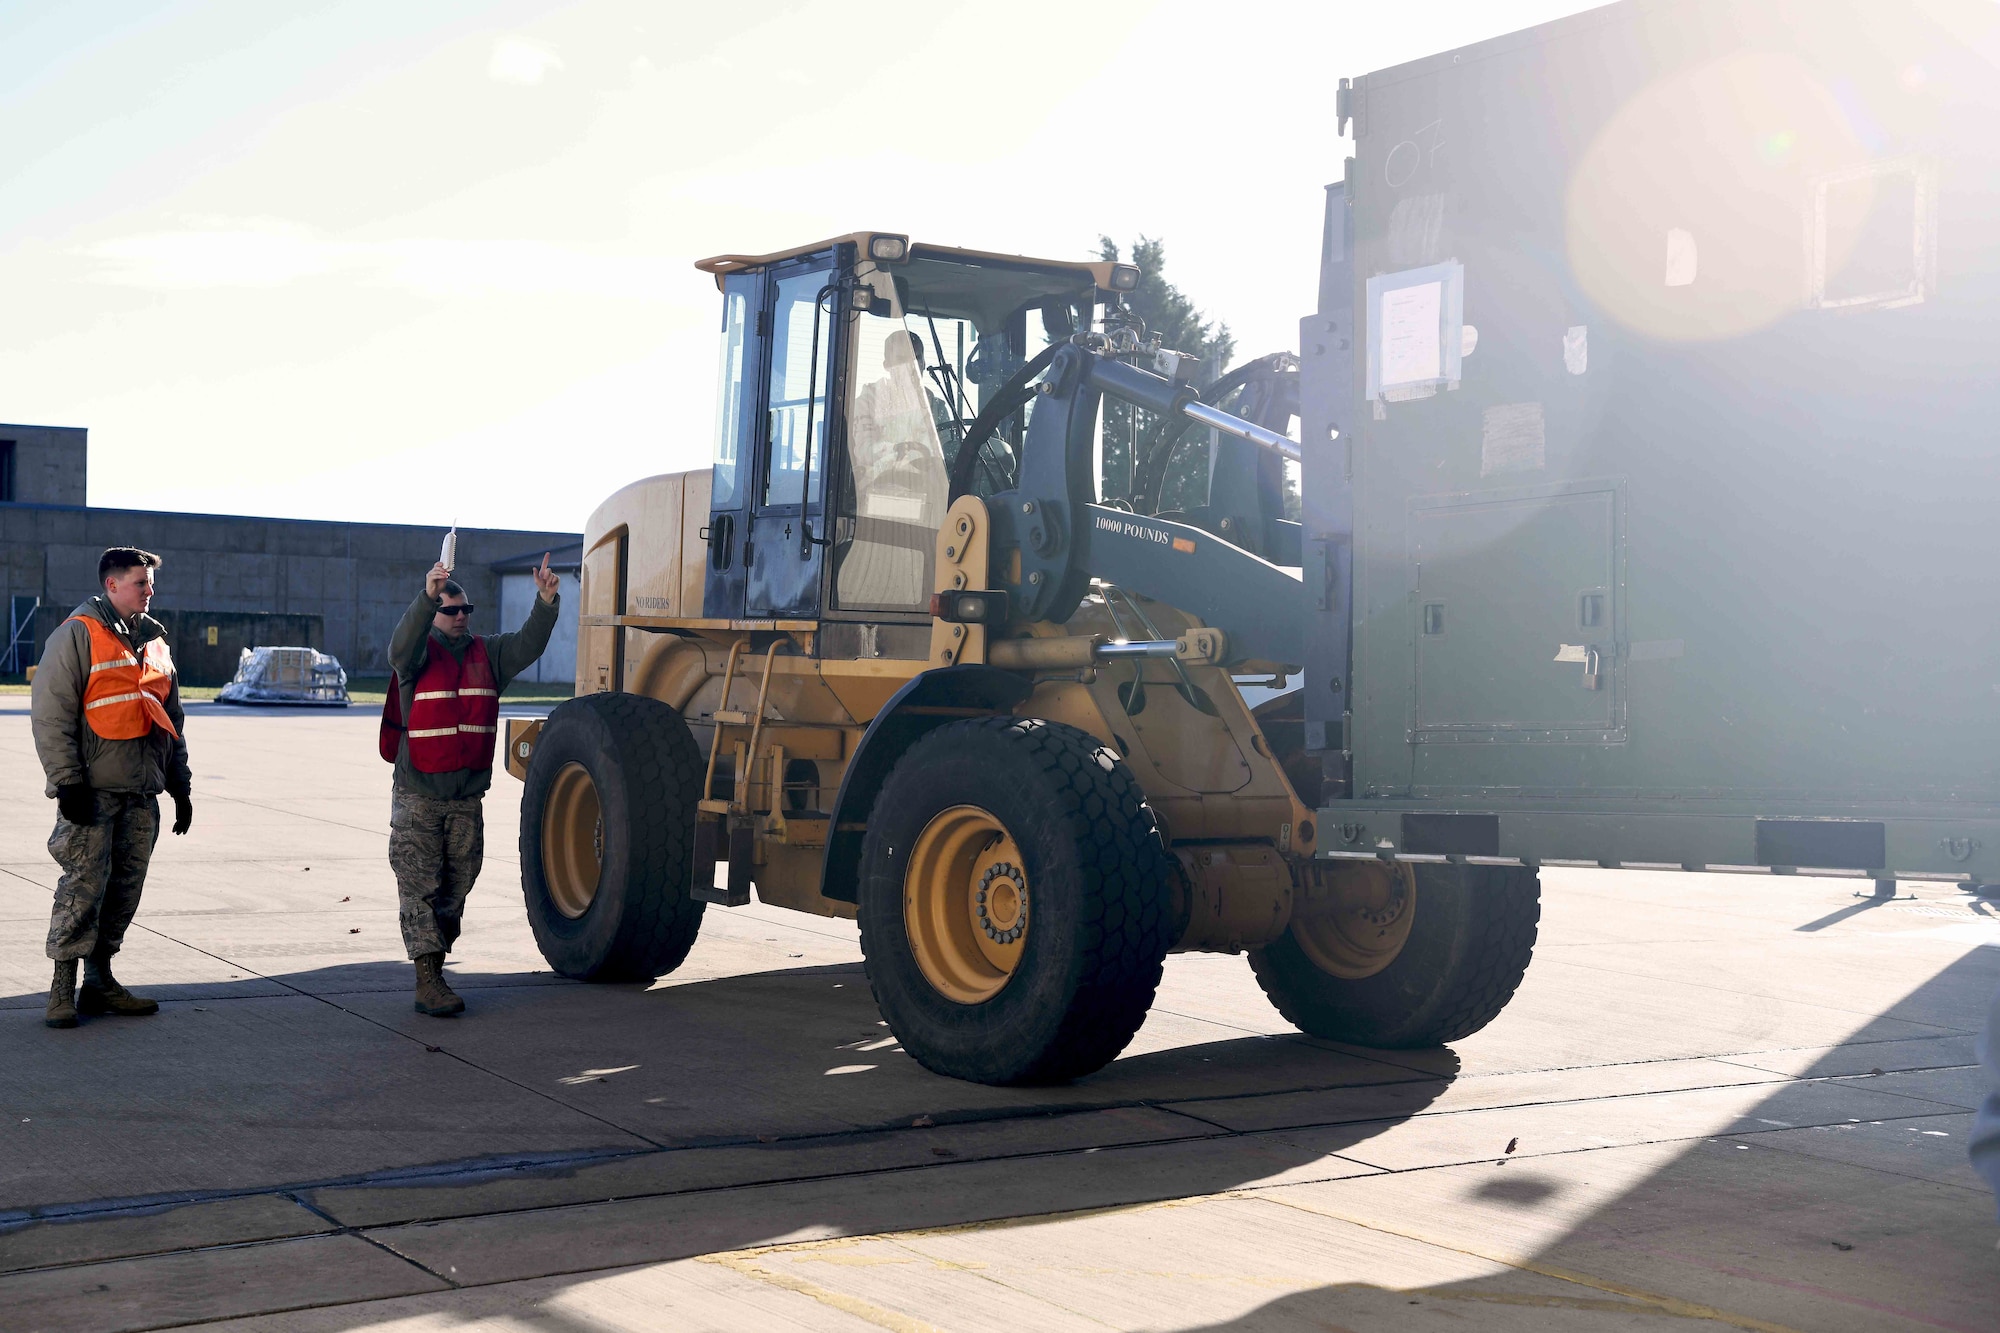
1868	1224
331	1147
313	1109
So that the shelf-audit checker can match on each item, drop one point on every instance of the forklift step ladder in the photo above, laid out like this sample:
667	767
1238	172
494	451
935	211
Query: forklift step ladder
729	824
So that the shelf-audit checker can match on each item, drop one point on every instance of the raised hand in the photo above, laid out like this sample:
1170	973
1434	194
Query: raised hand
547	581
435	580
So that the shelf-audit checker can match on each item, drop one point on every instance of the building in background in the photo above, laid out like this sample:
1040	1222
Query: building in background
557	664
238	577
43	464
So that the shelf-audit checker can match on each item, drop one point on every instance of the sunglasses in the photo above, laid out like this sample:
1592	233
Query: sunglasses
462	609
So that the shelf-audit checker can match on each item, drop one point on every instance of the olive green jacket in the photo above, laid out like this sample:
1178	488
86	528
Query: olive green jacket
69	750
416	638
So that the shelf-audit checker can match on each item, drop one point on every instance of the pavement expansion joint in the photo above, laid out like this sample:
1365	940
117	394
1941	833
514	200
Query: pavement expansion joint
360	1234
1346	1159
1971	1189
252	973
494	1168
1671	1305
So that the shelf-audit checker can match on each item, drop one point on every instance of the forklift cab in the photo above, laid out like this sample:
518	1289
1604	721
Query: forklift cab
851	373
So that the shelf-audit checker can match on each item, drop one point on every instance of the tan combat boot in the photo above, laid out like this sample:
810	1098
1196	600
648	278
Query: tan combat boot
433	996
62	996
101	994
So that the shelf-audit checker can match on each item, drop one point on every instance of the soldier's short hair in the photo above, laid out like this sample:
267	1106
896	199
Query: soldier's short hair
121	558
451	589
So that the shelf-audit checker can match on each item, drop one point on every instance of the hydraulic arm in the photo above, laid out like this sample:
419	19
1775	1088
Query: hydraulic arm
1051	537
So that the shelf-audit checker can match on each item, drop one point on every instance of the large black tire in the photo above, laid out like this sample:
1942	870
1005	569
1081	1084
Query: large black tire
644	772
1468	948
1100	920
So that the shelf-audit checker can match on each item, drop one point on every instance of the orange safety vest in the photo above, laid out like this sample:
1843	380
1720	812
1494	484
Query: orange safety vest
126	696
454	719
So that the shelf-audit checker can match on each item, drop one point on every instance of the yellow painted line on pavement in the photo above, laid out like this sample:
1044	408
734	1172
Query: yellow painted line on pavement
1672	1305
746	1263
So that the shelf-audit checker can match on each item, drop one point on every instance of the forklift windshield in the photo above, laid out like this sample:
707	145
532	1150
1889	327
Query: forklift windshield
954	333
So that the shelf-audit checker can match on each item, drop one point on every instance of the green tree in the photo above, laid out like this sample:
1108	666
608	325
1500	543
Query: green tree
1181	327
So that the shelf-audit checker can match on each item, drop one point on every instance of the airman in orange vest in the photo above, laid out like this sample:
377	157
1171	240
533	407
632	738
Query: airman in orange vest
109	731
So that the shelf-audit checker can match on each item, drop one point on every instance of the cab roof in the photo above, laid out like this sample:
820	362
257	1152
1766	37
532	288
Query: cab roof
1098	271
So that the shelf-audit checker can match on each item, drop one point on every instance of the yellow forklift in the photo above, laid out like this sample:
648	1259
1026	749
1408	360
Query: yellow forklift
892	658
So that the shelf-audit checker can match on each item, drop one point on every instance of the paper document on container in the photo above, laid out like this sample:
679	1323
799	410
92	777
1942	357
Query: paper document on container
1410	334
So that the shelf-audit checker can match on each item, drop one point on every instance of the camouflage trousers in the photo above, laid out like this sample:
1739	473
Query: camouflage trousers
103	871
435	847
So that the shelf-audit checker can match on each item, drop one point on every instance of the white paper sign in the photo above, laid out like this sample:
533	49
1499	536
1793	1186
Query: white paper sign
1576	349
1410	352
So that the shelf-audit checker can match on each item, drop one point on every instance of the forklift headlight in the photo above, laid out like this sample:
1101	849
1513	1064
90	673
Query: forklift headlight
889	249
970	608
1124	278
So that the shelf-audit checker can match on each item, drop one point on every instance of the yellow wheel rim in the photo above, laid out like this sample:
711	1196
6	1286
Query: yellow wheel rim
965	904
1356	918
572	841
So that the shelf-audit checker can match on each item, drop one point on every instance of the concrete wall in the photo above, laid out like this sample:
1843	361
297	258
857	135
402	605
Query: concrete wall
50	464
357	577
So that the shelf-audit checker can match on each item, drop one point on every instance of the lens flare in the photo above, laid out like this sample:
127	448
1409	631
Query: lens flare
1717	161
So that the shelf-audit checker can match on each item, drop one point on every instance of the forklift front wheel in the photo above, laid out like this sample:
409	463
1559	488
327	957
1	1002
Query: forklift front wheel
1429	954
1359	919
607	838
965	903
1014	901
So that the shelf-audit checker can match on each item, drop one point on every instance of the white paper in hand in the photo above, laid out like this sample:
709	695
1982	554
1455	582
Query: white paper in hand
448	557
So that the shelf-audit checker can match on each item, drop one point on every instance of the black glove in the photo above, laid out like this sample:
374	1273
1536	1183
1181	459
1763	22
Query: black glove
76	803
183	811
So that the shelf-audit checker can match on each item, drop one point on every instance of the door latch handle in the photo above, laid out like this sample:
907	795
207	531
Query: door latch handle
1589	656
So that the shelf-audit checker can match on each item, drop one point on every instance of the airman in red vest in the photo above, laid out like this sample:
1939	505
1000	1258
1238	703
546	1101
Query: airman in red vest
109	732
440	724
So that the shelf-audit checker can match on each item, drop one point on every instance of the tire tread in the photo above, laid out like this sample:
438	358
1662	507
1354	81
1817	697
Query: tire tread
664	769
1481	985
1126	921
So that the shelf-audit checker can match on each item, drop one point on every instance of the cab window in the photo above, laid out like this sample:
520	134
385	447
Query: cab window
894	491
954	334
730	417
797	405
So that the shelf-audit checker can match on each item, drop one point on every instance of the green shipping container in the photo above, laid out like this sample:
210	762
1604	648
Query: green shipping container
1652	412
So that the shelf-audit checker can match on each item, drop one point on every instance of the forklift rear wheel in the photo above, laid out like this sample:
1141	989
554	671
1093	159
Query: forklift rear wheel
1014	902
1403	955
607	838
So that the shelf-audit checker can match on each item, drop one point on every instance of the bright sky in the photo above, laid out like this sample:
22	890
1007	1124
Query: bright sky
427	262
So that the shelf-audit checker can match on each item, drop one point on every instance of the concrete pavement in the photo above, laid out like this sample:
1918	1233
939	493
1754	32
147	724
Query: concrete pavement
1735	1101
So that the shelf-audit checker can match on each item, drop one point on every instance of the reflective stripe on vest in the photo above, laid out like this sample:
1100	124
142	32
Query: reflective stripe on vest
126	695
454	717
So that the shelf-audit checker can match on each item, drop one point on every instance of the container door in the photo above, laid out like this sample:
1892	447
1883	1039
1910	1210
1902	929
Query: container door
735	415
784	557
1516	612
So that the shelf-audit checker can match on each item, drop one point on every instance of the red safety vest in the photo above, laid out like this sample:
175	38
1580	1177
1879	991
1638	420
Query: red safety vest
126	696
454	718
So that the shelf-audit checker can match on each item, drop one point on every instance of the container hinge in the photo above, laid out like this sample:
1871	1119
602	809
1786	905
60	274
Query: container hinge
1328	594
1346	105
